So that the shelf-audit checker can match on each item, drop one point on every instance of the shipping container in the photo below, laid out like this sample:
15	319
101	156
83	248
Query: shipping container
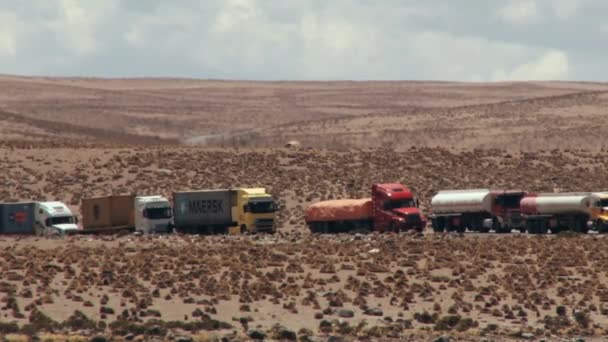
108	212
193	209
17	218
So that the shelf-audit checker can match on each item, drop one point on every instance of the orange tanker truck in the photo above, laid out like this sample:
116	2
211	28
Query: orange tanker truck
392	207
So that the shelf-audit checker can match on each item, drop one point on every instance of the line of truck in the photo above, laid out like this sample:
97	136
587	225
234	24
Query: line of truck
241	210
393	207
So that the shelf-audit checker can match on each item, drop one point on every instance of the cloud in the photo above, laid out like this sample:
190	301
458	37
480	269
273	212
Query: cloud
519	12
552	65
304	39
564	9
8	34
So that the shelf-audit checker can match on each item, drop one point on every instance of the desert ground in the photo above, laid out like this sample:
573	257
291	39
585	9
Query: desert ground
70	138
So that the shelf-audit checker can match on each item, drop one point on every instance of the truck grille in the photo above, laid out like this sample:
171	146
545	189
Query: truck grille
264	224
161	228
413	218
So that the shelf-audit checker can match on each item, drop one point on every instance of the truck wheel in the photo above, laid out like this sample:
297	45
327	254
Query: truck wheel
38	231
600	226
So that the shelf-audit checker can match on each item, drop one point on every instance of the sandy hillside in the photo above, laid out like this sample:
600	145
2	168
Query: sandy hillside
67	139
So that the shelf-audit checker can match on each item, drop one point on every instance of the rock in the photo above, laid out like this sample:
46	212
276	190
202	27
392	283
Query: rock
99	338
286	335
184	339
307	339
442	339
527	336
256	334
373	312
335	339
346	313
129	337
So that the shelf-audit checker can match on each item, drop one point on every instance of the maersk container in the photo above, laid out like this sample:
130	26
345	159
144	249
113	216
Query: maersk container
202	208
556	204
462	201
17	218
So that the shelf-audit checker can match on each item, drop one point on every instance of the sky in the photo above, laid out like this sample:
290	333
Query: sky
464	40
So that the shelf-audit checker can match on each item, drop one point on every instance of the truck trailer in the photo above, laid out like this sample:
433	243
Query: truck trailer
392	207
216	211
559	212
17	218
478	210
116	213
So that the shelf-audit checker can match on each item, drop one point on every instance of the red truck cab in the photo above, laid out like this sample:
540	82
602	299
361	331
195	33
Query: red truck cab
395	208
506	209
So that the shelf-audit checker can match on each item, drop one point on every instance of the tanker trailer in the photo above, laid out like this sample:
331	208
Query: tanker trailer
478	210
559	212
457	210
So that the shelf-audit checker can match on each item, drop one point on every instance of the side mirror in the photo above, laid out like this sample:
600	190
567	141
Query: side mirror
417	203
245	208
76	219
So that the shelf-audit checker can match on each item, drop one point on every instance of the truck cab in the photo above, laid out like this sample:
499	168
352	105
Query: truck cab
395	208
506	210
54	218
153	214
601	218
254	210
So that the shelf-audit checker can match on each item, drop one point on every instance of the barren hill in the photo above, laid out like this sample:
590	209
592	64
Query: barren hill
513	116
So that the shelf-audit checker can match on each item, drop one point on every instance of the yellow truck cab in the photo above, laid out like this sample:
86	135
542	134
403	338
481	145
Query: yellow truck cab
254	210
601	219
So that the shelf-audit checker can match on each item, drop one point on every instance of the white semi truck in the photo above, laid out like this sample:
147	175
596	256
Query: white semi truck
153	214
54	218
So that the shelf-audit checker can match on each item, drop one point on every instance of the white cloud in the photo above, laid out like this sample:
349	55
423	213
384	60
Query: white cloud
520	12
78	23
564	9
551	65
9	27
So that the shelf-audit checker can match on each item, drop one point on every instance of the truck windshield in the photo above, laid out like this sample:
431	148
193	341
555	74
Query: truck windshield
404	203
157	213
604	203
62	220
262	207
508	201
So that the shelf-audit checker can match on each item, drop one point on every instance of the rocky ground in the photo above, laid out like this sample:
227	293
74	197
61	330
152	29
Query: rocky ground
68	139
368	287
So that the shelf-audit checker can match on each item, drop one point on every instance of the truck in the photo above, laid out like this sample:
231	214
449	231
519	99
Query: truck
153	214
217	211
478	210
54	218
601	218
559	212
392	207
254	210
115	213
